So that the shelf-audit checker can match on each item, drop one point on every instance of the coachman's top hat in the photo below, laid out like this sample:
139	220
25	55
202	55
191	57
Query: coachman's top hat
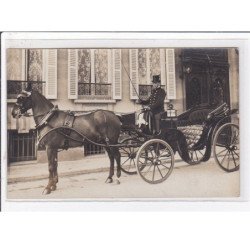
156	79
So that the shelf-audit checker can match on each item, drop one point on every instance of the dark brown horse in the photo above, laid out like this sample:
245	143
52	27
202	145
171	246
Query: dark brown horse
100	126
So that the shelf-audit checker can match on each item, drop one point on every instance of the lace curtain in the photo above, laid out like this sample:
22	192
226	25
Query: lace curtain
84	66
155	65
14	64
142	66
101	66
35	59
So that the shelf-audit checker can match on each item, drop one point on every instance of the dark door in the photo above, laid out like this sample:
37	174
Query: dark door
206	76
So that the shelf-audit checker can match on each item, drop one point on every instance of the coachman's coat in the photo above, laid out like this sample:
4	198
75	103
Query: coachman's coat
156	100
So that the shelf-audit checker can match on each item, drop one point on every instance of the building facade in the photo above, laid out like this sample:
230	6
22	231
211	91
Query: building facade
112	79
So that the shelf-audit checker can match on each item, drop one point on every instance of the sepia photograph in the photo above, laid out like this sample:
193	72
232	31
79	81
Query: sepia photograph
121	120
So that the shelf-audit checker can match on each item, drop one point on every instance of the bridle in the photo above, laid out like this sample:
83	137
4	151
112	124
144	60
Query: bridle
21	108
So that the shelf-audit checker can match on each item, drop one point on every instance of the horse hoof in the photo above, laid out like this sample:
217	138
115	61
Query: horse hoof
109	180
53	188
117	182
118	174
46	191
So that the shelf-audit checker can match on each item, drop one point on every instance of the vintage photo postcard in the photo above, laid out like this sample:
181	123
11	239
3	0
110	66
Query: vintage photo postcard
120	118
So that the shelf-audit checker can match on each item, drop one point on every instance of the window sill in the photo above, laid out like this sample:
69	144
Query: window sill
94	101
11	100
165	101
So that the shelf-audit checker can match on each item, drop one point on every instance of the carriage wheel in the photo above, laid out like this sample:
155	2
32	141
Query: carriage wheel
155	161
128	156
196	156
226	147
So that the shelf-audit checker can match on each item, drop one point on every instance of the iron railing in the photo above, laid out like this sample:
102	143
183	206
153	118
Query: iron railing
95	91
91	149
15	87
22	147
145	90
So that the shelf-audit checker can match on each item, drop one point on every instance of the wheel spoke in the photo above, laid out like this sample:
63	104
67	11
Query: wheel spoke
145	173
125	150
201	153
165	150
236	154
134	161
221	152
165	166
147	158
125	161
224	158
196	155
142	162
228	160
153	178
159	171
191	156
152	153
234	160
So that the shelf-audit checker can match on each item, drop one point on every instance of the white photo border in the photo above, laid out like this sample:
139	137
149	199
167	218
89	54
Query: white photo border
130	40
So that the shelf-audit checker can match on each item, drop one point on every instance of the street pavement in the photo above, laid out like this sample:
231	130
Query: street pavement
85	179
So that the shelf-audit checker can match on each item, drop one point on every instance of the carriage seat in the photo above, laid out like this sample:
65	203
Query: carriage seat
194	118
192	133
191	124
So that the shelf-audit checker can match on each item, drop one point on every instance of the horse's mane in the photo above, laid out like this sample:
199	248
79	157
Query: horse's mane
42	99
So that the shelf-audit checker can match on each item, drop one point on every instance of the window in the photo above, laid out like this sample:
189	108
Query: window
144	63
94	74
37	66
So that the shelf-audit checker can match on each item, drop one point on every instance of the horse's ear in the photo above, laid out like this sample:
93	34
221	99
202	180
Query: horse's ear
29	87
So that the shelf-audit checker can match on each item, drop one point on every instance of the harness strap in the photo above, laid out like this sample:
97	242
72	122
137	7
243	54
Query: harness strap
68	123
46	117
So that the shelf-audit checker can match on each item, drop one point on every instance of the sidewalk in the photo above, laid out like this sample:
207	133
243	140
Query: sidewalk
32	171
37	171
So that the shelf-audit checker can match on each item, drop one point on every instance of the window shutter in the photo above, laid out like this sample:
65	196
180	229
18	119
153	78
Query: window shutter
133	63
117	80
51	74
170	70
72	73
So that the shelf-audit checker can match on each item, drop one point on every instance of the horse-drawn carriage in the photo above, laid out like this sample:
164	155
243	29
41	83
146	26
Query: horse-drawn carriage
194	134
131	142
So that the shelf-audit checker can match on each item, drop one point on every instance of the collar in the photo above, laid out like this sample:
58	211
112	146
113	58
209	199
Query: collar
46	117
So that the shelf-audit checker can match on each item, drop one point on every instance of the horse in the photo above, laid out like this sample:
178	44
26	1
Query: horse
100	126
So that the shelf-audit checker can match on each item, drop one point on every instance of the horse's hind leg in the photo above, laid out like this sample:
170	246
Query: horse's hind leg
117	156
112	163
52	164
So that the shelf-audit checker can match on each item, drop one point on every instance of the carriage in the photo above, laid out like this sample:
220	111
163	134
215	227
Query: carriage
195	135
129	138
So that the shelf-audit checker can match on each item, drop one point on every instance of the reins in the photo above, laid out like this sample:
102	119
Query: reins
44	123
76	140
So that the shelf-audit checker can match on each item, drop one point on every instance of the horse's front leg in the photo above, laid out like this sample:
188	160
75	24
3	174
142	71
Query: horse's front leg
55	174
52	165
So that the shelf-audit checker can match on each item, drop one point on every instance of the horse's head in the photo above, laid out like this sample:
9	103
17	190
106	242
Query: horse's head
22	104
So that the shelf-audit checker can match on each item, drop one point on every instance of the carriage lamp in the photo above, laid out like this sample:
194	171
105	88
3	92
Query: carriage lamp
187	69
171	112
